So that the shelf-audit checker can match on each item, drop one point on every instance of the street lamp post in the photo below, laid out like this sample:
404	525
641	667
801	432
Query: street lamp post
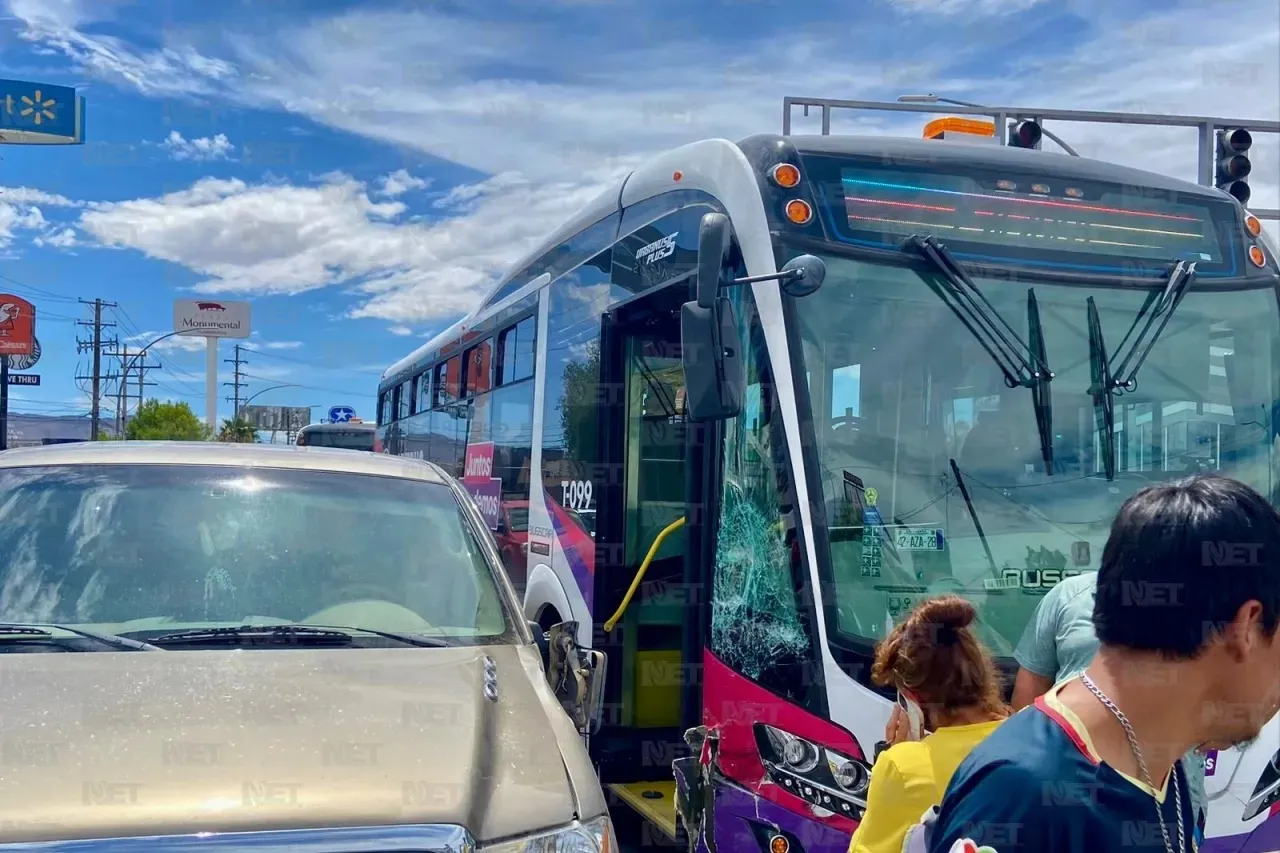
124	372
935	99
263	391
253	396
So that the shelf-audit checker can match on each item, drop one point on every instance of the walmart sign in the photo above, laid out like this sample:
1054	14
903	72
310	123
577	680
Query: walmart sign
40	114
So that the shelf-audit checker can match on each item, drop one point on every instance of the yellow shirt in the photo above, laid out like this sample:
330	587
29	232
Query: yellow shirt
907	779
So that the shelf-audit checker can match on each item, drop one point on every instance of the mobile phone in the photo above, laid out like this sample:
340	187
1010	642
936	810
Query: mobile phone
915	716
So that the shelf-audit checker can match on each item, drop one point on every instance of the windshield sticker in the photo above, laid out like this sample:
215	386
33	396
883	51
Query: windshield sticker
872	549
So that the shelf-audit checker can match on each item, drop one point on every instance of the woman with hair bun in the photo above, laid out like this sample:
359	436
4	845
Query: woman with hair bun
949	700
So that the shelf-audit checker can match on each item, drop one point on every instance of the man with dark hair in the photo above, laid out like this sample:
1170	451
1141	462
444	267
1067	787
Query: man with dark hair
1186	611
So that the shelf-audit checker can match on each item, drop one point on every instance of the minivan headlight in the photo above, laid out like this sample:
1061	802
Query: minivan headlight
593	836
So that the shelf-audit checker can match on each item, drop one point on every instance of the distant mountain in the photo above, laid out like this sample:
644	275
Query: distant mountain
34	430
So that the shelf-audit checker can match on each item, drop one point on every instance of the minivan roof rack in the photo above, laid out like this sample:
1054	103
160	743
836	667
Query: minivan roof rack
1208	126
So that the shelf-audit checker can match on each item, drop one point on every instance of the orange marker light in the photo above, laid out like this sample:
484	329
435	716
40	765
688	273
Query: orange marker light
677	175
785	175
799	211
1252	225
938	128
1258	257
779	844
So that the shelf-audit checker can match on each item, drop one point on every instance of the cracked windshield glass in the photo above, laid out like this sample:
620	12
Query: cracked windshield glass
146	550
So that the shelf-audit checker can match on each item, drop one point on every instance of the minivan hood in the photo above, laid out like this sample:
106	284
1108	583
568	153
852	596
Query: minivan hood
119	744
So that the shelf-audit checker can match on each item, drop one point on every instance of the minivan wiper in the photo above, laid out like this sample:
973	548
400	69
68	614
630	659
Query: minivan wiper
1023	364
43	632
302	635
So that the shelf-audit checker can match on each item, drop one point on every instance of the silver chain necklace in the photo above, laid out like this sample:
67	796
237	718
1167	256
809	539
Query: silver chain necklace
1146	774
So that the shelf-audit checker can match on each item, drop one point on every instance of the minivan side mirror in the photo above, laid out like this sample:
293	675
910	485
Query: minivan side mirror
714	371
576	676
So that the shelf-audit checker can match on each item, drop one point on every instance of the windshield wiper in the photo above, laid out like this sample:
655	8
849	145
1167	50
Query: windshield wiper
1041	394
307	635
1023	364
1161	307
973	514
1104	407
43	632
1106	382
407	639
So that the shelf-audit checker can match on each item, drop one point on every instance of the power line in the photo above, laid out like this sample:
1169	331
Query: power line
94	346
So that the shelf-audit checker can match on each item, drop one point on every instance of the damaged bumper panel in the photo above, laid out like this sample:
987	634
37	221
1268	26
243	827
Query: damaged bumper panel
733	819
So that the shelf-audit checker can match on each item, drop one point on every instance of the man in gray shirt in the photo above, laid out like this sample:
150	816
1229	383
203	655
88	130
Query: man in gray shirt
1060	644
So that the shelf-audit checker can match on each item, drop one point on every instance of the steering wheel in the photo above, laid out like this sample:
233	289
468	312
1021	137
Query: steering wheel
363	592
850	421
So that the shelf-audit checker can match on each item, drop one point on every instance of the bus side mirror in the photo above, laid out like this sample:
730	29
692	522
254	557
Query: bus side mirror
712	350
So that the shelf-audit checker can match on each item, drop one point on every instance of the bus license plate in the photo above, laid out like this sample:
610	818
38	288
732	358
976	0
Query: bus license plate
916	540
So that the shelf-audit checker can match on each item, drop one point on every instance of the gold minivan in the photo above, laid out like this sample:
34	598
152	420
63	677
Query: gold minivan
217	647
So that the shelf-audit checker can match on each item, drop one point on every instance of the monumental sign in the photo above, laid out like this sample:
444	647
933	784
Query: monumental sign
211	318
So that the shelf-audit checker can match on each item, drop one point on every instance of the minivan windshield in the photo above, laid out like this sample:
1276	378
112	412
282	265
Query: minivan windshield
919	438
140	550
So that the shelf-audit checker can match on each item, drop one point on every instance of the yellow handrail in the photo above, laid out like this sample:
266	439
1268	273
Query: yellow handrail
644	567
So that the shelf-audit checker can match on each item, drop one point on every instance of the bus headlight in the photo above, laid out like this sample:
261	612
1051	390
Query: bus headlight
593	836
825	778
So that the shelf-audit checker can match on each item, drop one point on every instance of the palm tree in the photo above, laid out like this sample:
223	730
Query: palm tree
238	431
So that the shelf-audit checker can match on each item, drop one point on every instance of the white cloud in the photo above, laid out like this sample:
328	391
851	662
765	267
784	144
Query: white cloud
965	7
286	239
175	70
20	210
201	149
424	80
27	196
402	331
64	239
282	345
400	182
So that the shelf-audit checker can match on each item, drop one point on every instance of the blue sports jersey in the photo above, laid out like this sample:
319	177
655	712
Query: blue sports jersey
1035	785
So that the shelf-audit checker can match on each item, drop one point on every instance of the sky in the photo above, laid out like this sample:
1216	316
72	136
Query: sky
363	172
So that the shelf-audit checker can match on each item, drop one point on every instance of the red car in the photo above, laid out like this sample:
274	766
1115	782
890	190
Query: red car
512	536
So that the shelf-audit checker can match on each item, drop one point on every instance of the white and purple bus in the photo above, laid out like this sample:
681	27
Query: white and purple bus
949	367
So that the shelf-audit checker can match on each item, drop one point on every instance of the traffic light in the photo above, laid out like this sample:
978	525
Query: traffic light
1025	134
1231	173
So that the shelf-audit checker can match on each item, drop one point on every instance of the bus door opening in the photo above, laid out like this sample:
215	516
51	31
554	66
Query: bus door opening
642	595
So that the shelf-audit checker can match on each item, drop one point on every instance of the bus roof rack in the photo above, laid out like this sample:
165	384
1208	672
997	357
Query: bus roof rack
1003	116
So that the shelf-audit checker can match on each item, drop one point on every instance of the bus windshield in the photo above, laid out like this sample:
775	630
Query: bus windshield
920	439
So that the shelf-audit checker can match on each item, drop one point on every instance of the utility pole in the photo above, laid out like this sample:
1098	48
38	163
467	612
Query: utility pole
143	367
237	384
130	362
95	346
122	391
